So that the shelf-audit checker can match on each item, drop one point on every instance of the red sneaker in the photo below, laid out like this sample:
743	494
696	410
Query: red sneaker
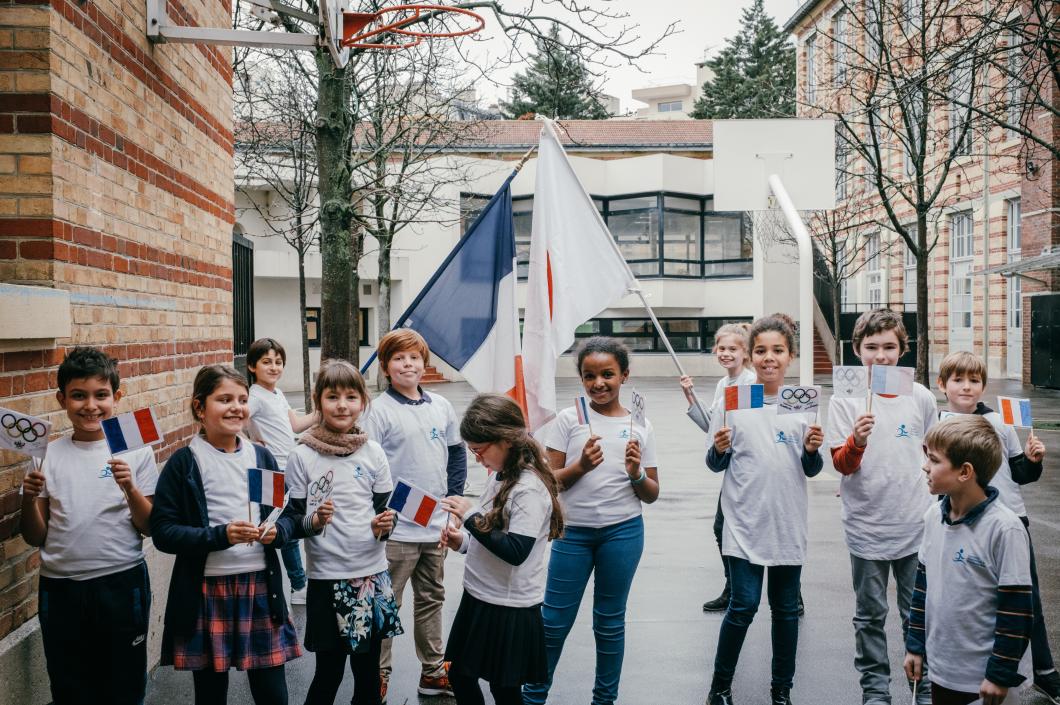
435	685
383	683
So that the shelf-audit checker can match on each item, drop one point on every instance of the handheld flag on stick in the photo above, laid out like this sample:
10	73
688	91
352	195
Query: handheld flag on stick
132	430
638	411
1015	412
889	379
266	487
743	396
796	399
849	381
23	434
412	503
581	405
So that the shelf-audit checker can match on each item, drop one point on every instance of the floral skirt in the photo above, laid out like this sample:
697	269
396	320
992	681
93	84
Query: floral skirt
349	614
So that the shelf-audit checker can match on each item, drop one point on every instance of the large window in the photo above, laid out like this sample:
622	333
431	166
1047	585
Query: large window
1015	282
811	69
872	266
671	106
1014	79
959	118
840	42
961	243
312	322
659	234
684	334
909	279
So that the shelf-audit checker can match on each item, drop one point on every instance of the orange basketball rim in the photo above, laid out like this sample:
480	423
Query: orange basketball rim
355	31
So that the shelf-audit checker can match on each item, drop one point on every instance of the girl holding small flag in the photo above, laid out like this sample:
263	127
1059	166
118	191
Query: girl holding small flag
606	469
766	458
497	634
226	605
345	480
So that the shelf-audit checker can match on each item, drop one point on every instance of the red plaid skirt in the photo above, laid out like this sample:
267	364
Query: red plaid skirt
234	629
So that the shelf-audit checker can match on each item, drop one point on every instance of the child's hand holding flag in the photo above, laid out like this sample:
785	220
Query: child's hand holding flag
1035	451
592	454
323	514
382	523
723	440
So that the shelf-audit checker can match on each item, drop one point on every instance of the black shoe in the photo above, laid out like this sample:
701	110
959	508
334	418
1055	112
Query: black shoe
780	696
720	697
802	607
1049	685
719	603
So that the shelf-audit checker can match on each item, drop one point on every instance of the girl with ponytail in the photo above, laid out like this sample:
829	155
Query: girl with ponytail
497	634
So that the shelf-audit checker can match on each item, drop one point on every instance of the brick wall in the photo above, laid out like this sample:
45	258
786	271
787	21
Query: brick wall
115	185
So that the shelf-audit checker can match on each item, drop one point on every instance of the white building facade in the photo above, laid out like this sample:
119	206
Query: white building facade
653	183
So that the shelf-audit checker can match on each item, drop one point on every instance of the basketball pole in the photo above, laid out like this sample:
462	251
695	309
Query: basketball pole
802	237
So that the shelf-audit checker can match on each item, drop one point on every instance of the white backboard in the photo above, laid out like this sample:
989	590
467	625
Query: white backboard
331	19
800	151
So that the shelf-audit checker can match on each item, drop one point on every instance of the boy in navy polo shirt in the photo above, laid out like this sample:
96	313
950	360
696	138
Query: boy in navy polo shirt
972	610
87	511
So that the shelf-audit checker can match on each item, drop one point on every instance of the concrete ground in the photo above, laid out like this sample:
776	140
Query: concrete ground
670	642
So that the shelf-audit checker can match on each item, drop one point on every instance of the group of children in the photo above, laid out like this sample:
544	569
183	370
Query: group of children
967	589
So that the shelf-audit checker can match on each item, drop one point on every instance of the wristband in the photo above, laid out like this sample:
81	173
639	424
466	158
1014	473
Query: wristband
643	476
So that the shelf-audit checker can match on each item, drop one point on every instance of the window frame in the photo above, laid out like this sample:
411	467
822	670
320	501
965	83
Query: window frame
840	25
1014	240
672	106
705	329
811	68
962	253
312	313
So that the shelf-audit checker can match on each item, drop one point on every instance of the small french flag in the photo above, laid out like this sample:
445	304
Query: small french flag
582	405
136	429
744	396
266	487
889	379
1015	412
414	504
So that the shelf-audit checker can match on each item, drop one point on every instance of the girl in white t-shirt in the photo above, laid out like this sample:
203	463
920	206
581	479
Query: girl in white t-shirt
731	346
226	608
766	458
345	480
273	423
497	634
605	478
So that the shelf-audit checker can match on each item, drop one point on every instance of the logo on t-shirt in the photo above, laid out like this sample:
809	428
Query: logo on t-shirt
902	433
106	471
358	471
434	436
785	438
624	434
960	557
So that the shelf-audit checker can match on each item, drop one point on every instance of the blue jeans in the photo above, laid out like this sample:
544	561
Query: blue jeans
292	561
746	584
613	552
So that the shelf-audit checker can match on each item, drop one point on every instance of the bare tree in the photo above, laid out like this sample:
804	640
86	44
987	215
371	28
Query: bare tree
275	105
604	37
900	79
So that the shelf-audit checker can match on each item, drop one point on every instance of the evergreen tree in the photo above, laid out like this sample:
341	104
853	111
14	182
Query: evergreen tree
556	85
754	75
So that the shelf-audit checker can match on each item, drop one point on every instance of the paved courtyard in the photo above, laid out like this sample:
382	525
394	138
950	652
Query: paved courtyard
669	640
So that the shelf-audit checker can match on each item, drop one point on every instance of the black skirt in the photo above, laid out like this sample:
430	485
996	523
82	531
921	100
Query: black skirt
502	645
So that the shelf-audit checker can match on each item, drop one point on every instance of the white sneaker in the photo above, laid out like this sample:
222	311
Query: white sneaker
298	597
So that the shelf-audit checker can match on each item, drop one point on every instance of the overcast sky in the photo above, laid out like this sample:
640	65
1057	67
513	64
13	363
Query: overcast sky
705	24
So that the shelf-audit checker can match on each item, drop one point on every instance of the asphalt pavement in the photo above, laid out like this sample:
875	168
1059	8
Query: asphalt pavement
670	642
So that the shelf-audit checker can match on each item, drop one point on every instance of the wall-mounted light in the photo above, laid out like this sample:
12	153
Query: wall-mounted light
1032	168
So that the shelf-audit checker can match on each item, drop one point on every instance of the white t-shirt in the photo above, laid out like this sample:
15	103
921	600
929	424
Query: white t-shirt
90	529
348	549
528	513
884	501
965	563
746	376
603	496
416	439
1009	492
270	421
226	483
763	493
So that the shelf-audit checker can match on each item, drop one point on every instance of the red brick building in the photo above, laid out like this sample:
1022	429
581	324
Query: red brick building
116	215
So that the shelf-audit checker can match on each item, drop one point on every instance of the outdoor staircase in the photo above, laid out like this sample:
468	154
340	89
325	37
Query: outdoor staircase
822	364
431	375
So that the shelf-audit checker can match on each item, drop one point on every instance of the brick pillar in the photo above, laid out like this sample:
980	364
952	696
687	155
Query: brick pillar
116	187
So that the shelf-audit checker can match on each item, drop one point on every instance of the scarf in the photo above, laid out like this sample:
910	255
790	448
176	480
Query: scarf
326	442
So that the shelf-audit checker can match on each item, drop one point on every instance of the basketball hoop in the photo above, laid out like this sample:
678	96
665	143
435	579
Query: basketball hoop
355	32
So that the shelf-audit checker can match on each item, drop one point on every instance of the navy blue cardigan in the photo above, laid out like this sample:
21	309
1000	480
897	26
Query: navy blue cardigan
179	525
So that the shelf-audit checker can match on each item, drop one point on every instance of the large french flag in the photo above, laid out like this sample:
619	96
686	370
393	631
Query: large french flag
467	312
576	271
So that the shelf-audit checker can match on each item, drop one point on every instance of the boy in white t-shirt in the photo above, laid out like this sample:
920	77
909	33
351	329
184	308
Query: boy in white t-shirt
962	378
273	423
880	453
421	437
972	608
87	510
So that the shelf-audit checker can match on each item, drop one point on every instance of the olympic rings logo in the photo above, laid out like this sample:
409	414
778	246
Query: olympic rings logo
850	374
322	487
801	395
21	429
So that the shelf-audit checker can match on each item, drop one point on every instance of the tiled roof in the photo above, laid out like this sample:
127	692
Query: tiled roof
591	135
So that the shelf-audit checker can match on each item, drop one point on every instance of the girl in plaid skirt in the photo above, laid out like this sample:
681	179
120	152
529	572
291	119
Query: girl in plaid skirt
226	604
340	481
